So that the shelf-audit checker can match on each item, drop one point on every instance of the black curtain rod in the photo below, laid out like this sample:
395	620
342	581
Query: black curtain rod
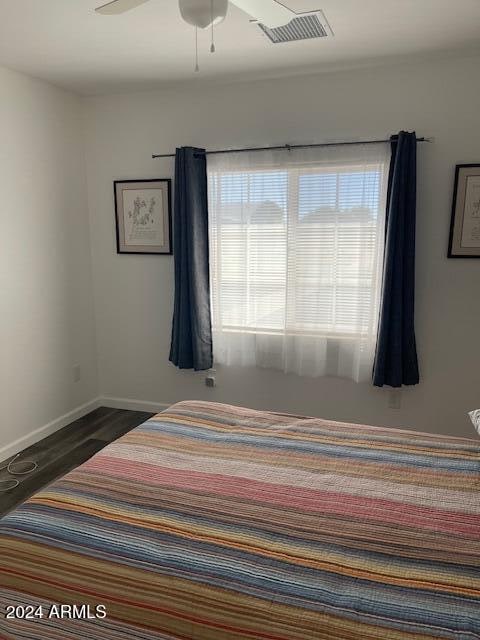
288	147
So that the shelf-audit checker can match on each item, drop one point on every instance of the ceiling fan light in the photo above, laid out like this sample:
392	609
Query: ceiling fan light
199	13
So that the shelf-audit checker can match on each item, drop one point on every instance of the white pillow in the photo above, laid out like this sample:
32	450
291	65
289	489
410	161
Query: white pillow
475	418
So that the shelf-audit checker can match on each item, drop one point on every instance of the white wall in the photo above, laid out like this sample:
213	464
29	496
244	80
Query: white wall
134	293
47	321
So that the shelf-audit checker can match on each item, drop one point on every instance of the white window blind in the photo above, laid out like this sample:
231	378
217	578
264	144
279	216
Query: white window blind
296	247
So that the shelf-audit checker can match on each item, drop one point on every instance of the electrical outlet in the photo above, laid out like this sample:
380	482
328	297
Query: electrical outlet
210	381
77	373
395	399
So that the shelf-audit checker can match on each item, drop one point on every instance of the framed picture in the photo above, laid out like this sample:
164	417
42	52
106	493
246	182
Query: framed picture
465	225
143	216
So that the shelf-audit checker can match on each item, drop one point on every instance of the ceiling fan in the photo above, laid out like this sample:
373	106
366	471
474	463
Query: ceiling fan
205	13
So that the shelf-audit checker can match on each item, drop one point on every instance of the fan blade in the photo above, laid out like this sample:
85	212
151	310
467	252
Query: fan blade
268	12
119	6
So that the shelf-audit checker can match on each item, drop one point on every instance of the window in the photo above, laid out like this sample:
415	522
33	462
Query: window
296	245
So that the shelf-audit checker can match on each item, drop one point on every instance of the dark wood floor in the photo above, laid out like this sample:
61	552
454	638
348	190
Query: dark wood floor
68	448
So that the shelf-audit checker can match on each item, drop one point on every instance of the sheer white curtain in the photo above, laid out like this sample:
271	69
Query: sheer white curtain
296	247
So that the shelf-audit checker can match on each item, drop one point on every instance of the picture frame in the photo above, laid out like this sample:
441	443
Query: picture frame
464	240
143	216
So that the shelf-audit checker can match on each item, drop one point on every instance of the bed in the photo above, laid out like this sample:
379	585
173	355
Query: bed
214	522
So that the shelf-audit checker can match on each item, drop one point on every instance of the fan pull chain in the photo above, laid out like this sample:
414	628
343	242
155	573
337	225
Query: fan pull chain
197	68
212	46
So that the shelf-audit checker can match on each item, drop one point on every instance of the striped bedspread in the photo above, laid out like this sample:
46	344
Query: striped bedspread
213	522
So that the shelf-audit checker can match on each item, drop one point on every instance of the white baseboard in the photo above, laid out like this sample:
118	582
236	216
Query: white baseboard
47	429
133	405
104	401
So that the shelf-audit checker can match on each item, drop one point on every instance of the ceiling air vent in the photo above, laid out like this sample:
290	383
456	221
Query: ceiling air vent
303	27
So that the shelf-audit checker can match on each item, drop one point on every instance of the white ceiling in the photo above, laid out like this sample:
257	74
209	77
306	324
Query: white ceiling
66	43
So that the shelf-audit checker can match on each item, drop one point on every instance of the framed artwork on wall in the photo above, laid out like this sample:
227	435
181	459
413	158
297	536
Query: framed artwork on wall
143	216
465	225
